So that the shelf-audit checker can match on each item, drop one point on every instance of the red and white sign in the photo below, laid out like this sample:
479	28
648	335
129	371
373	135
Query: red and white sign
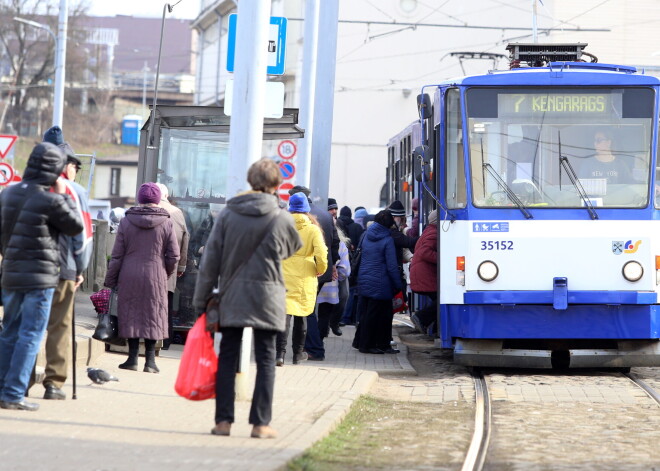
288	170
283	191
6	143
287	149
6	174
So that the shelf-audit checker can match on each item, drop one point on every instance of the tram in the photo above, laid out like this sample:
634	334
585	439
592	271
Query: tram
545	179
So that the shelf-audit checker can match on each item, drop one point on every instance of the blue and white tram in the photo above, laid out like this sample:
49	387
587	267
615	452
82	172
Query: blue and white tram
549	245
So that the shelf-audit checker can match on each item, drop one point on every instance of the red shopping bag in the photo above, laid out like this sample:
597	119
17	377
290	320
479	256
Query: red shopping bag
199	364
398	303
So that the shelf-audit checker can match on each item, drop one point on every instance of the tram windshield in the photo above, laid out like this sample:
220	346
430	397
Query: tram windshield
522	134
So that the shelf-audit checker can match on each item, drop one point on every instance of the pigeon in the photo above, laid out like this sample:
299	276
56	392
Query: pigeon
100	376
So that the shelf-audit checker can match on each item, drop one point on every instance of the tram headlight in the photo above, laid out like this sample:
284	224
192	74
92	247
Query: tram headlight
632	271
488	270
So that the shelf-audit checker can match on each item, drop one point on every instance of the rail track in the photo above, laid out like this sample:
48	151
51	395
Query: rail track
652	393
478	449
476	455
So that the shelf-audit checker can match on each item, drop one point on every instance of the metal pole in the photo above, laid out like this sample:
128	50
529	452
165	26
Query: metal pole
145	69
247	122
535	36
74	347
152	147
60	60
324	101
311	36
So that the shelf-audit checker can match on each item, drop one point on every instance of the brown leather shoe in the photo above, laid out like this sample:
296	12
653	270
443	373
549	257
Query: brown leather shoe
221	428
263	431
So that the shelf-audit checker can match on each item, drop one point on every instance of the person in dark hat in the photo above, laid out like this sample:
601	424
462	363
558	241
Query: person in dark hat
332	208
401	241
75	253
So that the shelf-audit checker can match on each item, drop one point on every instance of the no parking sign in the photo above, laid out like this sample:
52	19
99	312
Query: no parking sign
287	169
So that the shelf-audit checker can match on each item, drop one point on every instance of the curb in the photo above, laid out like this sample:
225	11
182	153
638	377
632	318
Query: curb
331	418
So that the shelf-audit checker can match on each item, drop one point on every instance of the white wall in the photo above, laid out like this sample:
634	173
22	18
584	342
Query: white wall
376	63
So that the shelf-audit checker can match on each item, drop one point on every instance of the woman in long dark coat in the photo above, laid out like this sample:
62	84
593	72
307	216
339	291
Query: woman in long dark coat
145	254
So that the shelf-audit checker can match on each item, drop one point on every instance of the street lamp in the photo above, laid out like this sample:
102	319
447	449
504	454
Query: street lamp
151	147
60	56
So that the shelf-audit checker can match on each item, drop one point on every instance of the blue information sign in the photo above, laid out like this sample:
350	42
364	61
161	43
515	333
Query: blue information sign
276	44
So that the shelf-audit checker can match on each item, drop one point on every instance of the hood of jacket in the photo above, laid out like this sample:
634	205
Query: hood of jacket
45	164
377	232
301	220
147	217
346	220
253	203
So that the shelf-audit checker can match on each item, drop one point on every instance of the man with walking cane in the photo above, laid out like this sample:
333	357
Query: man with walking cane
75	253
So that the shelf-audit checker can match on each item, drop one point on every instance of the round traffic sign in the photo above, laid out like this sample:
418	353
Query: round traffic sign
283	191
6	173
287	169
287	149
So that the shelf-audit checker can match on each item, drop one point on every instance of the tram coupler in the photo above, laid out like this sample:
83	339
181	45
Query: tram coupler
560	293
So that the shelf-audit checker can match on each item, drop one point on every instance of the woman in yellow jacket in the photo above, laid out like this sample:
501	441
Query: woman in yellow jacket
300	273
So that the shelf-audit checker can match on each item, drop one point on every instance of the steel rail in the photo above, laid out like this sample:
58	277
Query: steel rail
476	455
652	393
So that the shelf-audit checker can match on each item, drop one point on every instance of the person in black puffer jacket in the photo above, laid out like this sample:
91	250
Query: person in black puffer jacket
31	219
350	227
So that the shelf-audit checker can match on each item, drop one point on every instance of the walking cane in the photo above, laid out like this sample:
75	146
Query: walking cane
73	347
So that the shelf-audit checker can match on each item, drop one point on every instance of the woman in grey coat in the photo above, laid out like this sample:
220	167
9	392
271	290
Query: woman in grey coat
242	258
145	254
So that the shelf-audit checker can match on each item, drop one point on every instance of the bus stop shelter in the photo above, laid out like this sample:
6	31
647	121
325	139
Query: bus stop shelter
192	162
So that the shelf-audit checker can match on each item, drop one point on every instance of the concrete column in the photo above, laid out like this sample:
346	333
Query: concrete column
307	89
247	123
60	61
324	101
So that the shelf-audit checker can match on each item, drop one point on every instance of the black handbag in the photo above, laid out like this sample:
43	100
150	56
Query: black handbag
356	258
107	329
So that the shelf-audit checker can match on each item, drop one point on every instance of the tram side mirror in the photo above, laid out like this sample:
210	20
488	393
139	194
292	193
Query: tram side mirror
421	154
424	105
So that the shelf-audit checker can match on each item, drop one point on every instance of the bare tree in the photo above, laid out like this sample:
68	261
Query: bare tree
27	57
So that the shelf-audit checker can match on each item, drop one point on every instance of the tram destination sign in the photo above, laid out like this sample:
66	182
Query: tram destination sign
517	104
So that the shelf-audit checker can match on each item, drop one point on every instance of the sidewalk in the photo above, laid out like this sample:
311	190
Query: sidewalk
140	422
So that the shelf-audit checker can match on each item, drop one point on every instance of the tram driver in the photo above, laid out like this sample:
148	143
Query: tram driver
604	164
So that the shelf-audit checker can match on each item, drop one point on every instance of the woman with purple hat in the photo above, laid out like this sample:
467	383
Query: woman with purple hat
145	254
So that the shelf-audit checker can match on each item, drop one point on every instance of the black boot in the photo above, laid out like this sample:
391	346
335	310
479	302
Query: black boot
133	350
150	354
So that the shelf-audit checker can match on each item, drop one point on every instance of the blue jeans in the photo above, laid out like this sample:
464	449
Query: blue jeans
25	321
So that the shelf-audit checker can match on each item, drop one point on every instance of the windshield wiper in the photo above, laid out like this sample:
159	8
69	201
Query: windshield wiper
572	176
512	196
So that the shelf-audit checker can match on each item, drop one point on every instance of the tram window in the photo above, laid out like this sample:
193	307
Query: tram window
517	136
455	191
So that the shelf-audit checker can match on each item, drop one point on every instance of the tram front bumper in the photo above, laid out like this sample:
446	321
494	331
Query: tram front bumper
490	353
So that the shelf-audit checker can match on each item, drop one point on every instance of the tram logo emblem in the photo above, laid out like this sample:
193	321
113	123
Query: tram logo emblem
630	247
617	247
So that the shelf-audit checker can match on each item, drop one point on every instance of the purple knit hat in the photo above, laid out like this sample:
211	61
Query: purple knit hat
148	193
